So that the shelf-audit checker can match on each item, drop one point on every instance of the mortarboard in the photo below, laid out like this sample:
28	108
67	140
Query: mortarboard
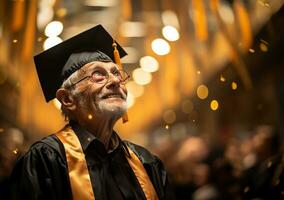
59	62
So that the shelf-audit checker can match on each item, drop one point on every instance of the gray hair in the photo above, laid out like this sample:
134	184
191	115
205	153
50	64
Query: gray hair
67	85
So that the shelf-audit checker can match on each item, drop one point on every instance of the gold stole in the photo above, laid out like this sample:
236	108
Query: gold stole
78	171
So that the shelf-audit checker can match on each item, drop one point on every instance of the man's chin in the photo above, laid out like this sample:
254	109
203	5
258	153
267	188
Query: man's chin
113	109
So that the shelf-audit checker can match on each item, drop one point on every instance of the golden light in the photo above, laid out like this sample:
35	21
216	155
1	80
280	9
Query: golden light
222	78
263	47
170	33
170	18
202	91
169	116
15	151
135	89
44	16
160	46
167	127
141	77
133	29
198	72
90	116
234	85
226	13
61	12
15	41
53	29
57	104
251	50
214	105
130	100
50	42
149	64
187	106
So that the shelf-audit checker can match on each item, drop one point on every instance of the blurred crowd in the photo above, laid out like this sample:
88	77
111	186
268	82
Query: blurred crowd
228	168
234	167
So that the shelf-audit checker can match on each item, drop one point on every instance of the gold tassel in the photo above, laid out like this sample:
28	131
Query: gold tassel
117	61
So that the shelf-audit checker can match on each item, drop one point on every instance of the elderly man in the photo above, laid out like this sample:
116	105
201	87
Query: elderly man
87	159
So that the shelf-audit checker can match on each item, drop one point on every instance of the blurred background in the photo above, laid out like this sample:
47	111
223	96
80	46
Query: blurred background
206	94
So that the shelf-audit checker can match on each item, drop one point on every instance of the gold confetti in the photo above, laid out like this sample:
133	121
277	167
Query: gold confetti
214	105
251	50
15	151
90	116
234	85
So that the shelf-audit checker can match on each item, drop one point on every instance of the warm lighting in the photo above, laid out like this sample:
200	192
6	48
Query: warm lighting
53	29
50	42
214	105
15	151
222	78
198	72
90	116
234	85
149	64
57	104
61	12
170	18
202	91
44	16
135	89
15	41
263	46
130	100
169	116
132	29
99	3
226	13
170	33
251	50
132	56
141	77
167	127
160	46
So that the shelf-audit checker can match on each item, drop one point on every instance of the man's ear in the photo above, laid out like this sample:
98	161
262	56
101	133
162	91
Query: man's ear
66	99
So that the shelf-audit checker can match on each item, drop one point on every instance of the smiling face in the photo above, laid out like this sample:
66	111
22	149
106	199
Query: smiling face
106	98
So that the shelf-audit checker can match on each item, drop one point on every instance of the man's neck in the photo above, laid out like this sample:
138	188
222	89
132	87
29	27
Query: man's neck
101	129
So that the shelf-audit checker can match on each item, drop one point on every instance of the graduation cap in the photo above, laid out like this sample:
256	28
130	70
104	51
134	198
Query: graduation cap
56	64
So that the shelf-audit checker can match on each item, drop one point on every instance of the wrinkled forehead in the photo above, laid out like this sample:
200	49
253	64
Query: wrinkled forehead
89	67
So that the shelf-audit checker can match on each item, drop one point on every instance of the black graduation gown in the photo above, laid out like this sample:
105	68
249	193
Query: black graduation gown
42	173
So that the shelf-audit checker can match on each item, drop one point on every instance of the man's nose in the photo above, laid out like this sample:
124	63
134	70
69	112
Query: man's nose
113	81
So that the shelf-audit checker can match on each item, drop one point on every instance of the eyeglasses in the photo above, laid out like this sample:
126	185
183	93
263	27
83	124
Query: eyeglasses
101	76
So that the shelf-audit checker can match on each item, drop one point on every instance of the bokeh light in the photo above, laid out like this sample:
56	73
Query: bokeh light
50	42
160	46
234	85
135	89
169	116
214	105
53	29
170	33
130	100
149	64
202	91
141	77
